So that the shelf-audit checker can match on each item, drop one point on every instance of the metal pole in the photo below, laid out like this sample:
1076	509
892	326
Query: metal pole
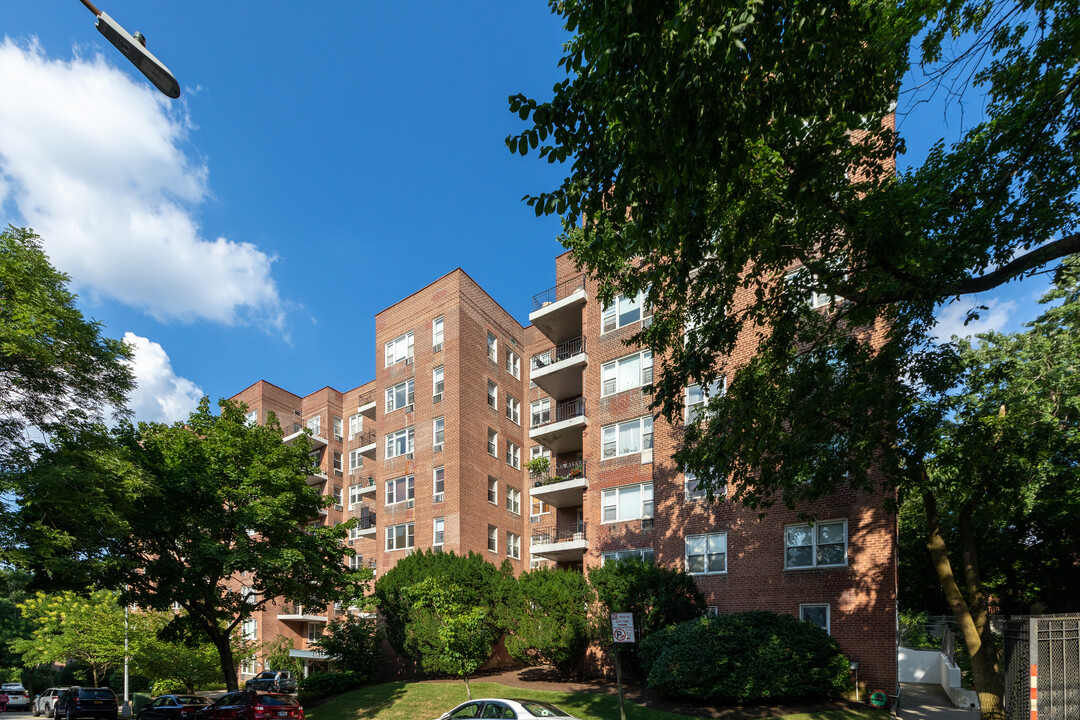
127	702
618	681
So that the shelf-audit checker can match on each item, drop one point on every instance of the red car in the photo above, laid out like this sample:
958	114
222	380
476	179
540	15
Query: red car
251	705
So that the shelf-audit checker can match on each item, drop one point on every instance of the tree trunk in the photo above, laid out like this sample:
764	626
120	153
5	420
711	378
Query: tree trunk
223	643
468	689
988	681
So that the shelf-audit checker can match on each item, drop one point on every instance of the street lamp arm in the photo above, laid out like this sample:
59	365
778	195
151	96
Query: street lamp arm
135	51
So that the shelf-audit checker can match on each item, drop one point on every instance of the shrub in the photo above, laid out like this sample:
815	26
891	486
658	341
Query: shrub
321	684
744	656
551	624
355	644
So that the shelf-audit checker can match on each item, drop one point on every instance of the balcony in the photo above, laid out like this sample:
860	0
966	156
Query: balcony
558	370
562	486
363	487
562	543
367	404
367	444
317	441
560	431
317	478
557	311
297	613
366	526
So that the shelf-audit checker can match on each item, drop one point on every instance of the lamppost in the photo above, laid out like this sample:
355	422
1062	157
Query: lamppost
134	49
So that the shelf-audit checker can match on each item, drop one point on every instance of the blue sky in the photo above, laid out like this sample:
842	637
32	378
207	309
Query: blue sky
324	161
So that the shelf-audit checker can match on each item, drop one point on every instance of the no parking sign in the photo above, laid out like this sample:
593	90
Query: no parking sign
622	627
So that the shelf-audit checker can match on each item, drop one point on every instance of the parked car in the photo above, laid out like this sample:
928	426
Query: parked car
281	681
173	707
43	703
505	708
253	705
17	697
86	702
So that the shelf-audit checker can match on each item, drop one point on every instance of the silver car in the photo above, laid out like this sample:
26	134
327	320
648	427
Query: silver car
46	701
505	708
17	697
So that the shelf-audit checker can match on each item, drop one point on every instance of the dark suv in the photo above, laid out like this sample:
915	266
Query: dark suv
272	681
86	702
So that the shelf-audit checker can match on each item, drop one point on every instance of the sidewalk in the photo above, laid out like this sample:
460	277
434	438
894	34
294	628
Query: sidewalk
927	701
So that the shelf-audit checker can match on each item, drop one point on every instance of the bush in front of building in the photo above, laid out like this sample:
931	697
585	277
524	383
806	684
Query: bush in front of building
354	644
740	657
551	624
323	684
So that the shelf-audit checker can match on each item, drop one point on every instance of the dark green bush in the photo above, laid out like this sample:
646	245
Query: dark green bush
745	656
354	644
320	684
551	624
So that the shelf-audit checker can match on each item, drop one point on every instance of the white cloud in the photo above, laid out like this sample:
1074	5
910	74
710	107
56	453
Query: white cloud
160	394
91	158
951	318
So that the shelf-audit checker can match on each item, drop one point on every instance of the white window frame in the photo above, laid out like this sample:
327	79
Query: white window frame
251	417
610	498
400	348
314	424
692	489
612	436
493	443
611	379
408	539
247	665
815	531
493	491
540	410
438	433
513	454
339	426
438	478
611	316
814	299
339	462
356	460
407	487
493	539
707	553
513	500
355	496
437	334
646	554
513	364
493	395
537	507
407	396
438	532
356	562
695	406
249	629
438	383
513	545
492	347
356	425
828	613
408	434
513	409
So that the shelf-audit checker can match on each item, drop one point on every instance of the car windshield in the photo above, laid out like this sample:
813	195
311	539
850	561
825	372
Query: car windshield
96	693
12	687
277	700
541	709
192	700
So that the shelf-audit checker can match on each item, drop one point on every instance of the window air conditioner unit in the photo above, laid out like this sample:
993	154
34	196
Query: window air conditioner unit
647	524
339	508
410	503
408	360
437	397
351	542
437	348
409	408
437	448
408	456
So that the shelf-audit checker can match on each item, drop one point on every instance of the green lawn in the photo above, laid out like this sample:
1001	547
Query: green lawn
427	701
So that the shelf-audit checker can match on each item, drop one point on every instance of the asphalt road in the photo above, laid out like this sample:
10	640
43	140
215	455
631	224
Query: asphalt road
16	714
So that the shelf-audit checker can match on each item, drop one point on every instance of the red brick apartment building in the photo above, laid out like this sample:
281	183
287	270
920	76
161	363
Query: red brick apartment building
432	454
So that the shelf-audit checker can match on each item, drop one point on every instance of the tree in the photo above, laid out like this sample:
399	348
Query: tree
55	367
69	626
354	643
551	622
171	662
206	514
465	632
657	596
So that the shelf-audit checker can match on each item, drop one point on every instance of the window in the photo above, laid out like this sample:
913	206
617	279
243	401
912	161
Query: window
541	412
820	545
513	409
436	334
437	384
493	395
493	491
629	502
693	488
627	438
646	554
355	495
438	532
626	373
338	426
513	455
538	361
314	631
712	611
315	425
814	299
337	462
493	347
248	629
399	489
513	500
337	495
539	507
493	538
438	476
817	613
251	417
399	396
247	666
399	443
625	311
356	425
399	537
356	562
356	460
493	443
437	433
706	554
400	348
513	545
513	363
697	399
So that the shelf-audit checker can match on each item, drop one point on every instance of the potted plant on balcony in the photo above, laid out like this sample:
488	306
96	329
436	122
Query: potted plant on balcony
538	468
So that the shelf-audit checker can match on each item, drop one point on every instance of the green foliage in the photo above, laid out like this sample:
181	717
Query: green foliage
321	684
551	622
277	656
158	653
355	644
56	369
187	513
657	596
478	583
744	657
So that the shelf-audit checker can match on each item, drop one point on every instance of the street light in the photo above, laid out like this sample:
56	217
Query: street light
134	49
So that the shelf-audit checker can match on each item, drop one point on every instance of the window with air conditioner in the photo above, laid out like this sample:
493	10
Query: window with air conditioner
399	443
399	396
437	434
399	490
439	532
356	460
400	348
627	438
438	484
628	502
399	537
339	429
437	334
356	425
437	384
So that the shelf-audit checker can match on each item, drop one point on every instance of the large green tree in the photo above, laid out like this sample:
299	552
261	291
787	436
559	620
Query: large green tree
56	368
551	622
209	514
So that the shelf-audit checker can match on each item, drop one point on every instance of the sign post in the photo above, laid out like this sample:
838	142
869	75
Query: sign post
622	631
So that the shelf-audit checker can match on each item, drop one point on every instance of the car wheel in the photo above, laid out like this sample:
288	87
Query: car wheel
35	712
71	716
